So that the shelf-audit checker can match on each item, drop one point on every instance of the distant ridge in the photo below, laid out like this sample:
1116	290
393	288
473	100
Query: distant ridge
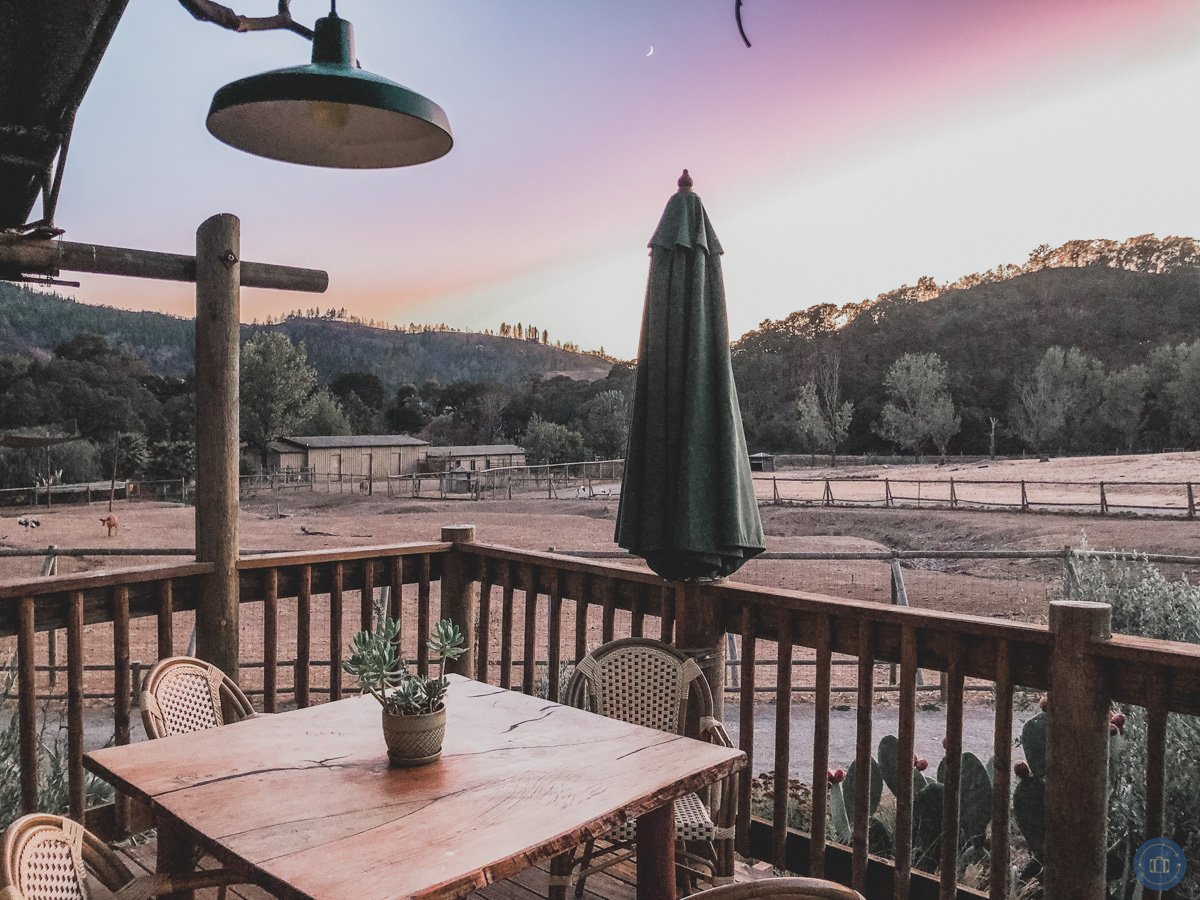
35	322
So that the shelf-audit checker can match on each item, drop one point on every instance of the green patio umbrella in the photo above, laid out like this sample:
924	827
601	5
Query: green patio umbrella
687	499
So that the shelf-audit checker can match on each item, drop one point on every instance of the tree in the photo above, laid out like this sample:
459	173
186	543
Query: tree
276	381
322	414
919	407
548	442
1039	413
835	415
1123	404
811	422
606	425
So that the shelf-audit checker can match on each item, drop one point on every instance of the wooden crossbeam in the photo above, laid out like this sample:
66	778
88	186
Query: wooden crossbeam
29	255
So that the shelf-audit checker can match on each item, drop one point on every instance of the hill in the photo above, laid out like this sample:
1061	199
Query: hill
34	323
992	331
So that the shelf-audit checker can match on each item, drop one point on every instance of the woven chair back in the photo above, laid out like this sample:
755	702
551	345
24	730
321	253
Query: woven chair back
183	695
48	857
640	681
781	889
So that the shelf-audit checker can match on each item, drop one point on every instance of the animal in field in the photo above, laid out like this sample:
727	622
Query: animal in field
110	522
363	486
29	522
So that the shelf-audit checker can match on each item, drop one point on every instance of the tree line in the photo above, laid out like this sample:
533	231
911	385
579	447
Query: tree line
142	425
1092	347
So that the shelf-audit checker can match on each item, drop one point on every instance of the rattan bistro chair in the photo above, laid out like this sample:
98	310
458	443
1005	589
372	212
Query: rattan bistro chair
647	682
183	695
46	857
781	889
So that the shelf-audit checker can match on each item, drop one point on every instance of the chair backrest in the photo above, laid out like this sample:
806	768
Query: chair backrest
48	857
781	889
183	694
641	681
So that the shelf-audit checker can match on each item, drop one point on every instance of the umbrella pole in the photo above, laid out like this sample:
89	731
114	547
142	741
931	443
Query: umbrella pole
700	633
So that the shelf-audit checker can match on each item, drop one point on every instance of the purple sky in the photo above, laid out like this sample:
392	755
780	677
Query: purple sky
857	146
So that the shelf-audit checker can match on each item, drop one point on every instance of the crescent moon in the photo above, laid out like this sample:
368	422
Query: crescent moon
651	53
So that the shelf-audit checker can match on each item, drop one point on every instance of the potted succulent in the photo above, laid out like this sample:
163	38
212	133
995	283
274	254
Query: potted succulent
414	709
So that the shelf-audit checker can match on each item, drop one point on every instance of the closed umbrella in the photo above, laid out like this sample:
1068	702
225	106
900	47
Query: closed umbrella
687	498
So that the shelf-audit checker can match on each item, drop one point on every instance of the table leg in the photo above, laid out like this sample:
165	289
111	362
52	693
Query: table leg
656	854
176	856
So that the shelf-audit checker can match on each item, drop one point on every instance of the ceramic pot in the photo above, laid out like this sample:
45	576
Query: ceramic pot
414	740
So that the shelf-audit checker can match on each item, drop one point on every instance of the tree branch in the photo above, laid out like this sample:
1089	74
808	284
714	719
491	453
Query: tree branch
210	11
737	14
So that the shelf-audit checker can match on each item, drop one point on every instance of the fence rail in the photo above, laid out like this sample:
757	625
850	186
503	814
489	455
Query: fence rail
542	606
1160	498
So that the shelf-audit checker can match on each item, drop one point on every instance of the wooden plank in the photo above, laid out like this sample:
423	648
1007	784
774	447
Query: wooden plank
366	597
820	783
529	643
608	600
656	853
166	620
637	619
270	639
1156	765
746	725
396	589
863	748
27	707
122	688
950	810
485	624
783	737
667	601
300	670
907	740
75	784
581	619
335	634
554	637
998	886
558	773
506	631
424	578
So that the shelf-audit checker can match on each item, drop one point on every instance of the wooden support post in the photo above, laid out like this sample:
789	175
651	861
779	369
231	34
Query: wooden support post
27	704
1191	502
1024	498
218	275
459	596
953	496
1077	753
827	496
700	634
1103	501
887	493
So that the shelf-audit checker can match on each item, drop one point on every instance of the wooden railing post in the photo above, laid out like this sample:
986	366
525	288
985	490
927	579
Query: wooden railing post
700	633
218	279
459	596
1077	755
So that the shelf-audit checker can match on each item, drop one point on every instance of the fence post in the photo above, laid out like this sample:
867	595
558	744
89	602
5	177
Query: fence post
1191	502
953	496
1077	753
888	500
1103	501
827	497
1024	498
460	598
775	488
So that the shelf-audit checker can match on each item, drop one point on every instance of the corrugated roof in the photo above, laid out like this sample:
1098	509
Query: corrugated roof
357	440
477	450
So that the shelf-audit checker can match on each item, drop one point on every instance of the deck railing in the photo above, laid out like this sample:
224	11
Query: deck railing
538	612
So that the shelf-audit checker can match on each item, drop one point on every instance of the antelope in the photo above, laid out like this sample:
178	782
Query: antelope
110	523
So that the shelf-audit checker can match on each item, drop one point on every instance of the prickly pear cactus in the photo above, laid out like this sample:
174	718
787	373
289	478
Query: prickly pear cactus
1034	737
974	802
927	826
889	762
848	790
838	816
1029	796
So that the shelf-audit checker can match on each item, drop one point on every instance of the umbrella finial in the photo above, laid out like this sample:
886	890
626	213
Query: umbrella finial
685	181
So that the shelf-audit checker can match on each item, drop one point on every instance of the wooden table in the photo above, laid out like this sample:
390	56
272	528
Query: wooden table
305	804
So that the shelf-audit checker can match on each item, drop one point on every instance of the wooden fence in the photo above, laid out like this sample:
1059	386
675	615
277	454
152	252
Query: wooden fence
1164	498
547	606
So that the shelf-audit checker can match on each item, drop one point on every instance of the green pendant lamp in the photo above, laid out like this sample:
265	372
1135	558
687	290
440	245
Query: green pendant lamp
330	113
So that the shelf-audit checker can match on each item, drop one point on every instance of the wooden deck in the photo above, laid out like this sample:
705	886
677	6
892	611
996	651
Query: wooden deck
615	884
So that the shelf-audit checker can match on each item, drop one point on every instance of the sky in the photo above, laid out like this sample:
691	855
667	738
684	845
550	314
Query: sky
855	146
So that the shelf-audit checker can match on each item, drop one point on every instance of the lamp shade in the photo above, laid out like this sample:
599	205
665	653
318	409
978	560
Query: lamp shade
330	113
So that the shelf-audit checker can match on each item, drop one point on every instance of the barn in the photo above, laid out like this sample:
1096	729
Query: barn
474	458
349	456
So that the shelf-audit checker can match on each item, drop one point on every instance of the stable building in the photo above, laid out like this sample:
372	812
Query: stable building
349	456
477	458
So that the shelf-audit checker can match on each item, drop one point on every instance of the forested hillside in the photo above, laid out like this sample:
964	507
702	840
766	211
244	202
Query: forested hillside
1126	318
34	323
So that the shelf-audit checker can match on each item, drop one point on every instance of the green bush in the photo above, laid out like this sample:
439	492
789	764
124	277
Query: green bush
1145	603
53	789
